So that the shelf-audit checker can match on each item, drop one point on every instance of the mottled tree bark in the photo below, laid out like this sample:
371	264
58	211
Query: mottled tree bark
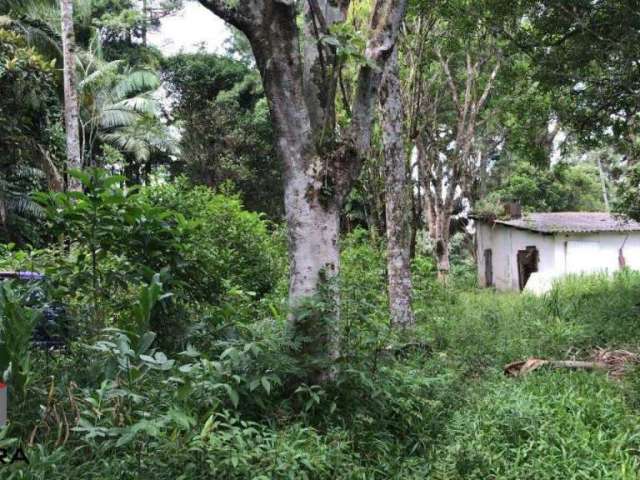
71	120
397	198
320	165
442	237
438	199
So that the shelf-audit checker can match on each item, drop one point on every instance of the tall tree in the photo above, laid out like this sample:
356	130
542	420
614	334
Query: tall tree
564	187
320	163
71	109
397	197
459	63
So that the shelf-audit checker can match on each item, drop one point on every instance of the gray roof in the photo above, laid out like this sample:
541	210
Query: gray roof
575	222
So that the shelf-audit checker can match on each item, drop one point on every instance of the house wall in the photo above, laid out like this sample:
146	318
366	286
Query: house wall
596	252
504	243
559	254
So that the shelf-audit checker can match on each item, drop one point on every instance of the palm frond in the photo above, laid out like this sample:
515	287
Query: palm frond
113	117
22	205
139	104
99	76
136	82
130	144
27	172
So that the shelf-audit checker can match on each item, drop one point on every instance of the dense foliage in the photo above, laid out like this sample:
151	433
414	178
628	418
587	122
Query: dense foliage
148	333
227	133
224	404
562	188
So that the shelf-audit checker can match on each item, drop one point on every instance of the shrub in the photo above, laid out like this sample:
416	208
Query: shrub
17	323
487	329
207	248
222	242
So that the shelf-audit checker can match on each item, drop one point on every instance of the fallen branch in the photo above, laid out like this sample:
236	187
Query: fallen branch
614	362
523	367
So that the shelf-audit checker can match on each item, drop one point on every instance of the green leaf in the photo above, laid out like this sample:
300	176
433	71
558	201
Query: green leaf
253	385
180	418
233	395
330	40
145	342
266	385
126	438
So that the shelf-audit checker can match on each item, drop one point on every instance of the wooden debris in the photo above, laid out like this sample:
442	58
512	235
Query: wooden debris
518	369
522	367
614	362
617	361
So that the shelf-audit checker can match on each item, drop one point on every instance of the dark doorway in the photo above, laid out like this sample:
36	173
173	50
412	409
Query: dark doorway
488	268
527	264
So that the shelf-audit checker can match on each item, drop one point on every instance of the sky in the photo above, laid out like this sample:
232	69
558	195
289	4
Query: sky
190	28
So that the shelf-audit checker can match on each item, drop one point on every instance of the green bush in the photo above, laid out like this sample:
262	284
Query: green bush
210	253
17	323
364	317
427	403
222	243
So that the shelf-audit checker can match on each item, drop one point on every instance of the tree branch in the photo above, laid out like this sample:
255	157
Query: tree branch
488	86
319	16
229	11
469	81
385	25
452	85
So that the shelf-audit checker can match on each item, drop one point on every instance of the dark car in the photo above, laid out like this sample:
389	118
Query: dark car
52	330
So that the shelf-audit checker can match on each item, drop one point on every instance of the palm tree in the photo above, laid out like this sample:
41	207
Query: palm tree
118	107
116	104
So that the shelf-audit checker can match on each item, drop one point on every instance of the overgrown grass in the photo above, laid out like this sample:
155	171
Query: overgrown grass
550	425
488	329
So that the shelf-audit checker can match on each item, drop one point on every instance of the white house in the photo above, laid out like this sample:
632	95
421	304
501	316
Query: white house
531	251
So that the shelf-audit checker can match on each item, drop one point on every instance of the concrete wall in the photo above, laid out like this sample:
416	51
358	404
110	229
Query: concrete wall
504	243
596	252
559	254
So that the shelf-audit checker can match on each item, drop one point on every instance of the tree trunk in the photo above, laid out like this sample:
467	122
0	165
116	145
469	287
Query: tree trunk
314	261
71	116
397	198
312	207
441	237
416	201
3	215
603	184
146	20
54	179
437	210
319	168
